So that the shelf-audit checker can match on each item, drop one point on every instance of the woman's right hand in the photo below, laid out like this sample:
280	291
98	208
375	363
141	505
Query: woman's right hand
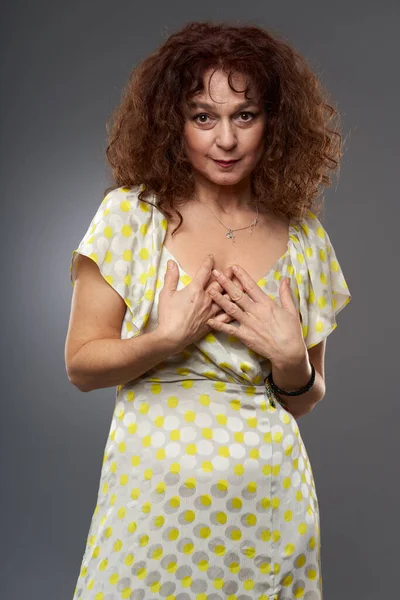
183	314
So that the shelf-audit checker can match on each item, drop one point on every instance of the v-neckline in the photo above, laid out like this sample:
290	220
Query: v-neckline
264	277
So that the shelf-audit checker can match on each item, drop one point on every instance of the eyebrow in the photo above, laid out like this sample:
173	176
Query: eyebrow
207	106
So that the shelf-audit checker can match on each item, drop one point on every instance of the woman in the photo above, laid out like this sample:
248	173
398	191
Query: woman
206	489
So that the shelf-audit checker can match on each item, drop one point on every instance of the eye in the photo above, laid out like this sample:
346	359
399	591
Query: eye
253	115
199	115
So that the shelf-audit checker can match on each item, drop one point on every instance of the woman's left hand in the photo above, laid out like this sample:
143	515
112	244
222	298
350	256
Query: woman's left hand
268	329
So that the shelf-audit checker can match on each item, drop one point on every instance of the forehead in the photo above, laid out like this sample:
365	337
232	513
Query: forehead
217	92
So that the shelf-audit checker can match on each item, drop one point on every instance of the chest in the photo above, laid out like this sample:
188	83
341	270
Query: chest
257	253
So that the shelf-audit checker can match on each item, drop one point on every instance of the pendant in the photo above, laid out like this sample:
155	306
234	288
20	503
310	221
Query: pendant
230	235
252	225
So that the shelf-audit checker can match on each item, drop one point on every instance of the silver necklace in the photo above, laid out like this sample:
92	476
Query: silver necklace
229	234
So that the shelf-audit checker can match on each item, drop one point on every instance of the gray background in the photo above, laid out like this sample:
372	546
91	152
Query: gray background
63	67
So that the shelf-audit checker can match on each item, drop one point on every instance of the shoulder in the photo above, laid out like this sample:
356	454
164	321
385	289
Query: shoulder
123	199
321	288
312	239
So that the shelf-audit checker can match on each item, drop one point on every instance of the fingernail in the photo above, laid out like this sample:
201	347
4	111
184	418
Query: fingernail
211	256
216	272
170	264
235	268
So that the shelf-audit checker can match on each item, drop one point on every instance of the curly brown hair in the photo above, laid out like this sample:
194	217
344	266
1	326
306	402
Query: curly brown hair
145	142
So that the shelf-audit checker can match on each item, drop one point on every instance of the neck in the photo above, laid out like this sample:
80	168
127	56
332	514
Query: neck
229	208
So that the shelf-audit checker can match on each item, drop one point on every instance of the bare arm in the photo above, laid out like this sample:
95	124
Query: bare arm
111	362
95	356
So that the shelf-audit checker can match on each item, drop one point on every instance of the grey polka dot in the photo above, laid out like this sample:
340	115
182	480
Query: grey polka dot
313	595
171	478
141	564
245	574
218	491
137	594
167	589
199	586
186	491
230	587
183	542
167	560
183	571
231	557
124	583
152	549
152	577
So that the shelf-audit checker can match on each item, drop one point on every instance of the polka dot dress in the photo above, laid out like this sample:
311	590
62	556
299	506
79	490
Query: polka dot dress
206	489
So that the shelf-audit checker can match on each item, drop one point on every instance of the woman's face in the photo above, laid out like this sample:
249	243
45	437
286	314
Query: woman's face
228	128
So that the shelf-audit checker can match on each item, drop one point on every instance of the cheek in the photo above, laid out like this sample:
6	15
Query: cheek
197	140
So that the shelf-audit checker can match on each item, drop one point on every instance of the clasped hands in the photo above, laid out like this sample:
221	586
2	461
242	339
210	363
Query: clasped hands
265	327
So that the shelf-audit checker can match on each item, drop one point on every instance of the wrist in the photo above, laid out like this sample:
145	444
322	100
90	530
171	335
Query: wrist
292	375
167	339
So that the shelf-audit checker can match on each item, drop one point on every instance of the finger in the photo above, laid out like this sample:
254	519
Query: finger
231	308
250	287
217	286
216	308
204	272
218	324
237	294
223	317
228	272
236	281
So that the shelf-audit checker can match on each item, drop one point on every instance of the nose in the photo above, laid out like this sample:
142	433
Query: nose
225	135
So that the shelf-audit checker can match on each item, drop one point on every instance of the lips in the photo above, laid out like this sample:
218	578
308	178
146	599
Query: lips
225	162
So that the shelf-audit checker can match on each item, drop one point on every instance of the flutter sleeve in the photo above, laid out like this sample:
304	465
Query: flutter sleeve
322	291
123	239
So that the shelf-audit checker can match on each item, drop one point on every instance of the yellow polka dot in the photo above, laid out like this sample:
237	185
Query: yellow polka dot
221	518
121	512
220	386
172	401
206	500
236	534
238	469
189	416
132	527
205	532
103	564
302	528
287	580
207	466
128	561
189	516
223	451
300	561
